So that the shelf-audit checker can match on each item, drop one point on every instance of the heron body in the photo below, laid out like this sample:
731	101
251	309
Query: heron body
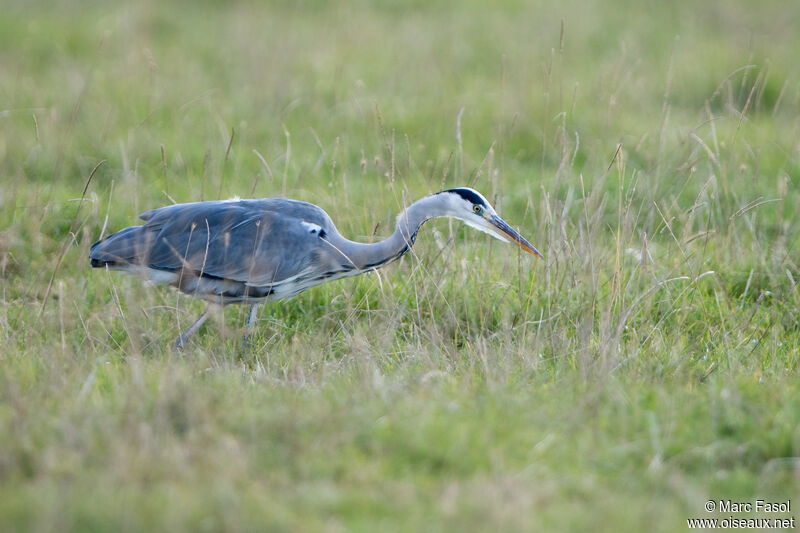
255	251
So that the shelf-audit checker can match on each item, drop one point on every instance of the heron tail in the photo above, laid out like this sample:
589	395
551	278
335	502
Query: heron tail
124	248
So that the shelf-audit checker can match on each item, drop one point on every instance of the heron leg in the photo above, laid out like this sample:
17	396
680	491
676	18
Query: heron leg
251	320
184	337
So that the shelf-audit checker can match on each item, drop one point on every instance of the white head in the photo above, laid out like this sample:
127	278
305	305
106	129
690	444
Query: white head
474	210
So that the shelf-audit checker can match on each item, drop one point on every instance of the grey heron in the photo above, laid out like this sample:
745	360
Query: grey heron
256	251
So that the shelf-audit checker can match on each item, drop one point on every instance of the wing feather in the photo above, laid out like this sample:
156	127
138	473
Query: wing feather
258	242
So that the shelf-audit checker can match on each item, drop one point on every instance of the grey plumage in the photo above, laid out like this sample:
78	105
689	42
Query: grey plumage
223	251
270	249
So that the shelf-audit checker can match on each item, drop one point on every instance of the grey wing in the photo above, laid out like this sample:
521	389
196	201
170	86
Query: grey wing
257	242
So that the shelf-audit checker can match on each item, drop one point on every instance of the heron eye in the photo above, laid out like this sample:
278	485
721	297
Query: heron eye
477	208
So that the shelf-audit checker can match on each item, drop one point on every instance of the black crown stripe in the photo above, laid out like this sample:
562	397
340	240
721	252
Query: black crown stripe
468	195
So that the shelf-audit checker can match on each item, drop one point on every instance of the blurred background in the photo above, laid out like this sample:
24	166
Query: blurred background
650	150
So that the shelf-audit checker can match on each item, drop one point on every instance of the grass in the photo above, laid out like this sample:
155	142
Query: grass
649	364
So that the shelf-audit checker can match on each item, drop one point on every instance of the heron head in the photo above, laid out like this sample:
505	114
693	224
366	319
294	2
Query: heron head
471	207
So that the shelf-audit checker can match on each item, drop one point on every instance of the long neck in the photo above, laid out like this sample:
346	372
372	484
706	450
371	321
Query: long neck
366	256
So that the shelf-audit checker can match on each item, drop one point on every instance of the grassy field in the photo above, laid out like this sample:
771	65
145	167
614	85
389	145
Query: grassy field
650	150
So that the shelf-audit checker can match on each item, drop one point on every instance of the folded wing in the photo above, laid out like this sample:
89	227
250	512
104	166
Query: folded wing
257	242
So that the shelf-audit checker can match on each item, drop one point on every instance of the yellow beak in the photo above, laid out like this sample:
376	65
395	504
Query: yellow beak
508	233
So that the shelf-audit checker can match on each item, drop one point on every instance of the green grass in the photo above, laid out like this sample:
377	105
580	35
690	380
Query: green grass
649	364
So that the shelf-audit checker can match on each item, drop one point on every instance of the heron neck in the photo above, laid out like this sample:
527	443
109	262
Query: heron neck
367	256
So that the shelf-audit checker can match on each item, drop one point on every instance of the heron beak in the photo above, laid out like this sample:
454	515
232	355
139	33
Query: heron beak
506	232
